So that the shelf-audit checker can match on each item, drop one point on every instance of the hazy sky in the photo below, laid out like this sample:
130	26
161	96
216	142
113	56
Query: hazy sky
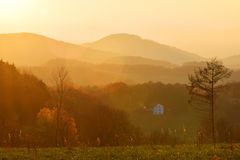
205	27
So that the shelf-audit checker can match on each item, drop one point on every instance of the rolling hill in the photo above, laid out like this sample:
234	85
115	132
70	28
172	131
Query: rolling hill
132	45
83	73
101	62
232	61
135	60
33	49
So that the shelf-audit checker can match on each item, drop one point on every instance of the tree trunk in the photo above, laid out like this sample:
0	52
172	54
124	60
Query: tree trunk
213	118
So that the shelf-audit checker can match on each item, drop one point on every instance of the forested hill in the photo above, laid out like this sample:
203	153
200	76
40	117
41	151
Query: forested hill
139	100
115	113
28	114
21	96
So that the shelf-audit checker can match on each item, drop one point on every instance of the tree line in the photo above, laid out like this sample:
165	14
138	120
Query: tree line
34	114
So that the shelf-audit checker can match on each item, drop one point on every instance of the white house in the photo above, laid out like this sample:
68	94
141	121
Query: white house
158	109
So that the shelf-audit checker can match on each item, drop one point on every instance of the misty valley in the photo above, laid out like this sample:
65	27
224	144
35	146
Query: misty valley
120	96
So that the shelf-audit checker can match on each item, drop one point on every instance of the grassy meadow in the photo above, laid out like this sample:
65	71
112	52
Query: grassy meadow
178	152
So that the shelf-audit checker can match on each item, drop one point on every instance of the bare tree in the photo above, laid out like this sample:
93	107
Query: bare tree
205	85
60	77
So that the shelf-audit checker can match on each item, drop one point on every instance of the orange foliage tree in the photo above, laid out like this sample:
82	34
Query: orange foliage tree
47	118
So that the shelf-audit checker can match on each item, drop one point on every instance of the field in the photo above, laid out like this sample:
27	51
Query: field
180	152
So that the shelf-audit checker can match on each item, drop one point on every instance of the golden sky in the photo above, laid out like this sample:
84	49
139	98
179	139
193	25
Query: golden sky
205	27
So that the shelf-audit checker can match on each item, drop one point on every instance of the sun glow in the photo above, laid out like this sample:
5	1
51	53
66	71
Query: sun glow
12	7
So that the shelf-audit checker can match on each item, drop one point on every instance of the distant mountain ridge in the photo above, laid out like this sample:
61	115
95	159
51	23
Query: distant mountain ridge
132	45
33	49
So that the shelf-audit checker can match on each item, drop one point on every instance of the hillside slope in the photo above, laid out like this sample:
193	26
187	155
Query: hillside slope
83	73
33	49
135	60
132	45
232	61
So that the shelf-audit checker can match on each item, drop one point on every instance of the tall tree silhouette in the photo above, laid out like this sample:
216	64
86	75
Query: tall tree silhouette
205	84
60	78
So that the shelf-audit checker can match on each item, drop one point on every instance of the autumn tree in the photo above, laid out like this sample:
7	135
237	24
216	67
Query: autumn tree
46	119
205	85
